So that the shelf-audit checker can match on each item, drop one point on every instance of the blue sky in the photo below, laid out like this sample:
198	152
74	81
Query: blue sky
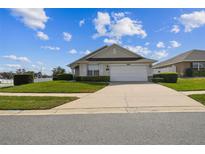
41	39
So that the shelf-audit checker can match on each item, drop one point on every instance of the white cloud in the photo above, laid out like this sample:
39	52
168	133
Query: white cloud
40	63
67	36
118	15
117	26
15	58
72	51
127	27
175	29
160	54
51	48
34	66
147	43
192	20
42	36
160	45
34	18
13	65
175	44
138	49
87	52
81	22
111	41
102	20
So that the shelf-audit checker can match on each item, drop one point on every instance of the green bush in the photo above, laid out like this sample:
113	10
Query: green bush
189	72
93	78
197	73
168	77
63	77
156	80
20	79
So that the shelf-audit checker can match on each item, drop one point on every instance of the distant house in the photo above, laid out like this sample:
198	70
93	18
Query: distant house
115	61
194	59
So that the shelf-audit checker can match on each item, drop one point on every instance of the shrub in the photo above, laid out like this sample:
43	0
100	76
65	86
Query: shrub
63	77
197	73
93	78
156	80
20	79
189	72
168	77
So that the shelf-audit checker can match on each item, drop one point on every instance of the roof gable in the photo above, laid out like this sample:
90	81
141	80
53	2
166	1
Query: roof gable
115	51
193	55
112	53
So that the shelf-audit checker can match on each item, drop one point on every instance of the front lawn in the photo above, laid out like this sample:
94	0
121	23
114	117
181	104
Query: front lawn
56	87
32	103
198	97
189	84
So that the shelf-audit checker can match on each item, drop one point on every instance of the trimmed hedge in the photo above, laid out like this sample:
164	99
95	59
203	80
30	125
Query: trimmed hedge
189	72
20	79
197	73
93	78
169	77
156	80
63	77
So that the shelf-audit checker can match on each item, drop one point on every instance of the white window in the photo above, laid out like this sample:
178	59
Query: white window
93	70
198	65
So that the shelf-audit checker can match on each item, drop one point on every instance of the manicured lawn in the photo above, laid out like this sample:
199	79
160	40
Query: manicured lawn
32	103
191	84
198	97
56	87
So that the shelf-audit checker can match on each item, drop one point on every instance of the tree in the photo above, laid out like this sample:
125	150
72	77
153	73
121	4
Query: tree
58	70
6	75
20	71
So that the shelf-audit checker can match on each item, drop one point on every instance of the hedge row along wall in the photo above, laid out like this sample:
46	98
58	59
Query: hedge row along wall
23	79
168	77
93	78
63	77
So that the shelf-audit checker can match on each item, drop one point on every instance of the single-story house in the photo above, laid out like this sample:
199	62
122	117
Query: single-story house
119	63
194	59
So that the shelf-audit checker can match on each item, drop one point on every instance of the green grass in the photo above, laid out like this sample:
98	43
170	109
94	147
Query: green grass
189	84
56	87
32	103
198	97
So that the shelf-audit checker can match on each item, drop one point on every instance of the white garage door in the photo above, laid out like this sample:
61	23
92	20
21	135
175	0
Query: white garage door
128	73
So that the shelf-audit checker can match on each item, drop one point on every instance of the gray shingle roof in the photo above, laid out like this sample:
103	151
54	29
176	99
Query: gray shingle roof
193	55
139	57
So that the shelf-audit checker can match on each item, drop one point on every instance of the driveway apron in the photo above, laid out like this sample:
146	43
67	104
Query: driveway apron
140	96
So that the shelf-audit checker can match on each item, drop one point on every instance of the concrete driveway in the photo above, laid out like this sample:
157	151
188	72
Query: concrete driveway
134	97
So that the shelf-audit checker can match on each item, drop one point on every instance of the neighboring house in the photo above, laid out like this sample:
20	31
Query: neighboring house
194	59
114	61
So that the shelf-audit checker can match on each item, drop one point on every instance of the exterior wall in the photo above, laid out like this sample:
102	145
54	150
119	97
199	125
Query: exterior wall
171	68
83	69
181	67
77	71
149	70
103	71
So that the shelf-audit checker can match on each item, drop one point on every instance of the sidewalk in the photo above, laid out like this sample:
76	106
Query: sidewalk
79	95
100	111
193	92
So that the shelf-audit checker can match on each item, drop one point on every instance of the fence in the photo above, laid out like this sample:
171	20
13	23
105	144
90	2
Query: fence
9	82
42	79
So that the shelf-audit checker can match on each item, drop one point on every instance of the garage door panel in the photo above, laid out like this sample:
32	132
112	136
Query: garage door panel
128	73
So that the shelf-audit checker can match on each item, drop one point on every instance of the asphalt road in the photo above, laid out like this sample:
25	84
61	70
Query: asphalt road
139	128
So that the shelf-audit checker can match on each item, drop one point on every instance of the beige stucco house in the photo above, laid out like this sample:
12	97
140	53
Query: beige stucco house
115	61
194	59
